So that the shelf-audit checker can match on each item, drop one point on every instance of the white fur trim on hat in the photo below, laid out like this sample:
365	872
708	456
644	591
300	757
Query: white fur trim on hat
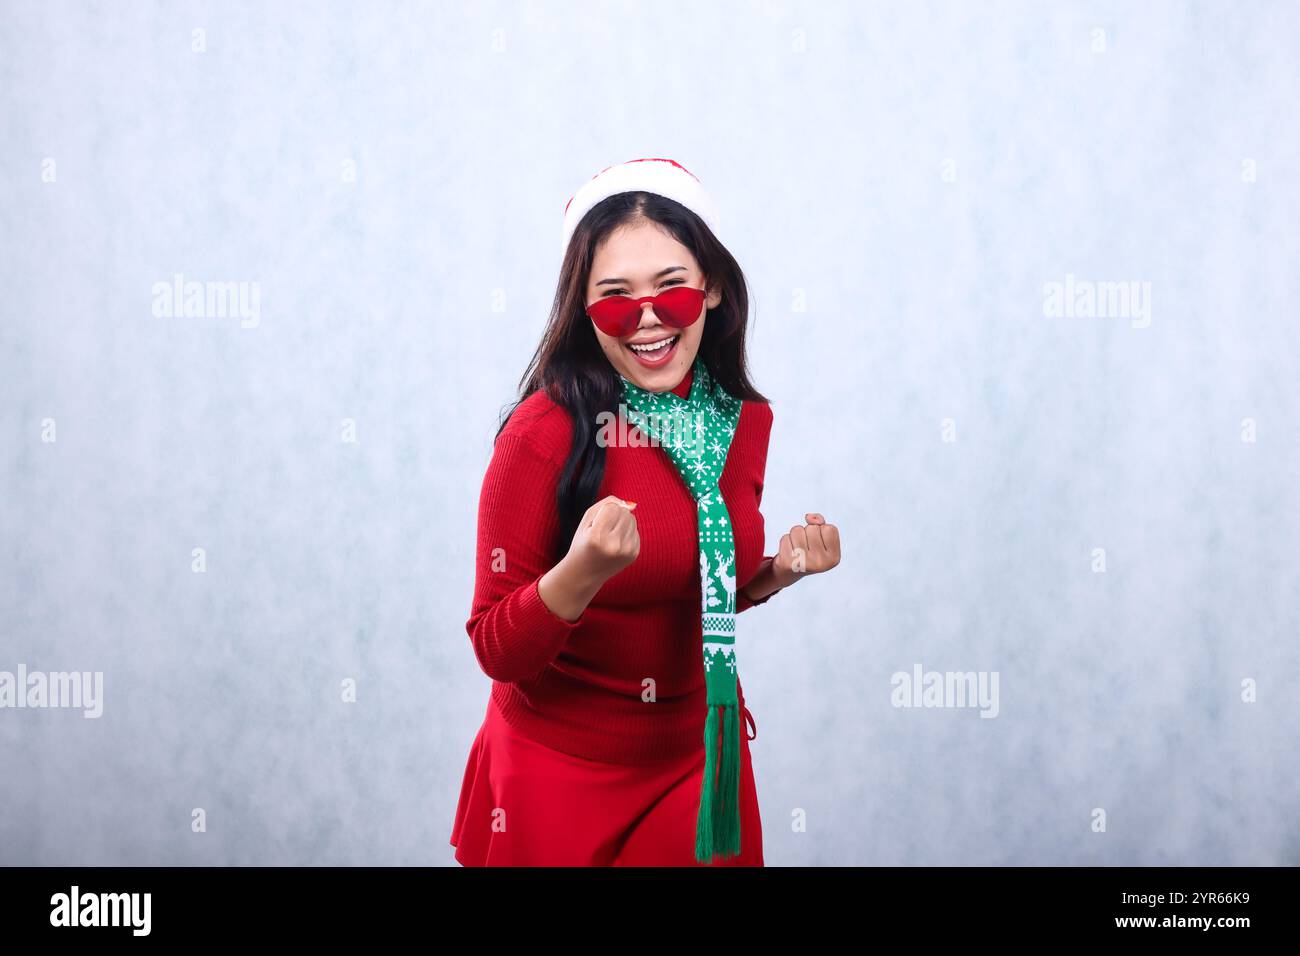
663	177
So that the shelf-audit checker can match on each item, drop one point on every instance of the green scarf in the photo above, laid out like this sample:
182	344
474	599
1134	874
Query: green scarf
696	433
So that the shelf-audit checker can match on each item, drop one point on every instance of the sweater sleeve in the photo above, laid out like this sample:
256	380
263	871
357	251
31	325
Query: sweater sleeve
515	636
743	602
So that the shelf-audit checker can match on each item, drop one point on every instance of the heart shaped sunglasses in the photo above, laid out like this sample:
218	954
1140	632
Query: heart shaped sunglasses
619	315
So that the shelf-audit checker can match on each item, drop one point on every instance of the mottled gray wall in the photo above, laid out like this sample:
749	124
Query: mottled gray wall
899	182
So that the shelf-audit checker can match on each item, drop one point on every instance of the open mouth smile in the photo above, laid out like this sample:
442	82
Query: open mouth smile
653	353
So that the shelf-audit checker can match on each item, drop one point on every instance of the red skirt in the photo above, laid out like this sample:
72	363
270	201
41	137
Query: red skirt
524	804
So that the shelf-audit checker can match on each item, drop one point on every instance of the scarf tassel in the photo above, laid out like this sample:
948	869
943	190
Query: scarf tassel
717	829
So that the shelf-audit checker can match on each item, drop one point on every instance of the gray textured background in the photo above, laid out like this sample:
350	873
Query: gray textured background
924	301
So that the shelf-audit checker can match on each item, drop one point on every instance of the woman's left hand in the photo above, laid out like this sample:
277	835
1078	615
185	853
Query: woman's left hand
807	549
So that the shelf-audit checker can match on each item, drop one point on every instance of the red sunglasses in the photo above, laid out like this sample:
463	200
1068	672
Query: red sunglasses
619	315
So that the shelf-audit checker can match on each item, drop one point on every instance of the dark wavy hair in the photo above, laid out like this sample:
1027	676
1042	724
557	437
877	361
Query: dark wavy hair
576	374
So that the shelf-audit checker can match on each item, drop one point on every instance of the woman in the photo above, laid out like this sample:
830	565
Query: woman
619	537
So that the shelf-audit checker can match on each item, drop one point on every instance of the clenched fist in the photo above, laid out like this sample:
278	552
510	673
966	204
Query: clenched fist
605	543
806	549
606	540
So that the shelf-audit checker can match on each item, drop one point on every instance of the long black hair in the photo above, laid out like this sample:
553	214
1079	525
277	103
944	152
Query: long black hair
570	365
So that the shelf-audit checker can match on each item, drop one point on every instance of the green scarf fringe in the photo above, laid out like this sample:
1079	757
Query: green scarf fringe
717	827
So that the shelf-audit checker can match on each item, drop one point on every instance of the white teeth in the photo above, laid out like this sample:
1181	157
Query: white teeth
655	347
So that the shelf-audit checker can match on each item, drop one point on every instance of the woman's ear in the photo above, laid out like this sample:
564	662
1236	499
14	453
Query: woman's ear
714	298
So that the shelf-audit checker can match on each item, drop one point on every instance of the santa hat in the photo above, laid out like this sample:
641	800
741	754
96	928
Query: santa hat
663	177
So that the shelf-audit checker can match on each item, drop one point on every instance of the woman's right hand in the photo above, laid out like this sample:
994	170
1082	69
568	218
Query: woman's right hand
605	543
606	540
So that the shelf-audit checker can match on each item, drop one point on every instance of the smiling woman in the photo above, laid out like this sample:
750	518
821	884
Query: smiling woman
648	325
610	574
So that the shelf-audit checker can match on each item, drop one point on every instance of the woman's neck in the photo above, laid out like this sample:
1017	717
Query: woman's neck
683	388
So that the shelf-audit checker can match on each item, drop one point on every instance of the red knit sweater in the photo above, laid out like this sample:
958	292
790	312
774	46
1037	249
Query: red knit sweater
581	687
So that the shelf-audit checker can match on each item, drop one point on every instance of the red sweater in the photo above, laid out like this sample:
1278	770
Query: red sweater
578	686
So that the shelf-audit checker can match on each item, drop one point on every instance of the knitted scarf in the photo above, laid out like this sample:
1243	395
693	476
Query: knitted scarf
696	433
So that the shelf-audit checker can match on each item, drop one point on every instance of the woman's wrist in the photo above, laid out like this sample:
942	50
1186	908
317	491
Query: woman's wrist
567	589
765	582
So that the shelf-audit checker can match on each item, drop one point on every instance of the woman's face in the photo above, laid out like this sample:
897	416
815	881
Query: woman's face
640	259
